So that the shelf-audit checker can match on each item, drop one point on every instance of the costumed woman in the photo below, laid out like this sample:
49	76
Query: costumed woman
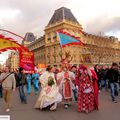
49	96
87	101
95	86
65	81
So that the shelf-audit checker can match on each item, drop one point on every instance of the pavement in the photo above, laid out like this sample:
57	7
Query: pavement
107	110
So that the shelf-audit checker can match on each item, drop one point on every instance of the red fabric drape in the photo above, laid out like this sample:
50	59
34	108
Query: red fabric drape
95	85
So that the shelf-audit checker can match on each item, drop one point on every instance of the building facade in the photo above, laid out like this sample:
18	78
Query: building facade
13	60
102	49
38	47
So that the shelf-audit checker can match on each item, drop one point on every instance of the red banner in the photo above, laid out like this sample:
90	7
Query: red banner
27	61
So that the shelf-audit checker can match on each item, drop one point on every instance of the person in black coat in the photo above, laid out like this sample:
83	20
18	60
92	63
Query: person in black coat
98	73
21	82
105	80
113	76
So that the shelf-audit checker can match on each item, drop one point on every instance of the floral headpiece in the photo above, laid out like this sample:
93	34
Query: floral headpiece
65	62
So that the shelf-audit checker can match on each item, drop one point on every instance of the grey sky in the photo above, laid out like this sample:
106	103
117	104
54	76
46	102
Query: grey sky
23	16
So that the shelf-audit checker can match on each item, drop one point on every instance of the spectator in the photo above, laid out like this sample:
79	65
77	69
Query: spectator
104	78
98	72
21	79
8	84
113	76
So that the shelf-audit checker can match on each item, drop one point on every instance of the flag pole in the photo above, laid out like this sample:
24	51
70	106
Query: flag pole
60	45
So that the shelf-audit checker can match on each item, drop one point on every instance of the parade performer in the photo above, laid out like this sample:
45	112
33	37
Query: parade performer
95	86
49	95
29	78
87	101
65	81
35	79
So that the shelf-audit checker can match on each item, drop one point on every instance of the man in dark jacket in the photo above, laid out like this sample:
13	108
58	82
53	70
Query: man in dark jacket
104	78
98	73
113	76
21	81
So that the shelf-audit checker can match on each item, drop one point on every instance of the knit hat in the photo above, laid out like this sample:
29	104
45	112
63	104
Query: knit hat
21	69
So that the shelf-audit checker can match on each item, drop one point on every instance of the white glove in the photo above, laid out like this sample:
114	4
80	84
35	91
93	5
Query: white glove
77	87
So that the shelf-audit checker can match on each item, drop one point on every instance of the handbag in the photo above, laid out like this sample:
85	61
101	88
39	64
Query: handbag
5	78
87	90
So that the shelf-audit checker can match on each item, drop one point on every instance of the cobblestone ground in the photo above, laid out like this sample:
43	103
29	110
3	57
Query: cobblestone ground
108	110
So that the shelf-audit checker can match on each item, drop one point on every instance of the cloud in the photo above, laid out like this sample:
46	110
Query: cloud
95	15
33	16
104	25
3	57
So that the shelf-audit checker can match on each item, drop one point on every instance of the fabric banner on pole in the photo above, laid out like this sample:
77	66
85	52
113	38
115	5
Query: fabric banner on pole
67	39
27	61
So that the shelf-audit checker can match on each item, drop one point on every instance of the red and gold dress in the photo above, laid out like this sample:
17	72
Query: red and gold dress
65	84
67	90
86	96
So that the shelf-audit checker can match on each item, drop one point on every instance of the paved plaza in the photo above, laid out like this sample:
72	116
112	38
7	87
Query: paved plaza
108	110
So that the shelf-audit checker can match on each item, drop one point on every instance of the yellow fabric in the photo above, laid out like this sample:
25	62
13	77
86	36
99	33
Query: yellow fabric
6	43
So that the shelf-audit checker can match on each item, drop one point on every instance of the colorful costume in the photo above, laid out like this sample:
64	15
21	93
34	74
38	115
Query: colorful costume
35	78
95	86
66	84
49	94
86	92
65	81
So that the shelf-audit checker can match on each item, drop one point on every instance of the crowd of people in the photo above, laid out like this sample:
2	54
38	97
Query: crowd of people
109	77
10	81
64	84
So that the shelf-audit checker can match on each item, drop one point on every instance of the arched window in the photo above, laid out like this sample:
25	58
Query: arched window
49	37
54	36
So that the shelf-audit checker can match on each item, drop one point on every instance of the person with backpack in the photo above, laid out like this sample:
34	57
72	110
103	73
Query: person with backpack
8	82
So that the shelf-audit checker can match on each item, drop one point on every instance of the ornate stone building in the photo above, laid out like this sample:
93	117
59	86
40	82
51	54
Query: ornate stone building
103	50
38	47
13	60
29	37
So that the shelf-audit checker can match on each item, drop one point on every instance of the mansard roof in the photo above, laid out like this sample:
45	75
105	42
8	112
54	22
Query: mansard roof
62	14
